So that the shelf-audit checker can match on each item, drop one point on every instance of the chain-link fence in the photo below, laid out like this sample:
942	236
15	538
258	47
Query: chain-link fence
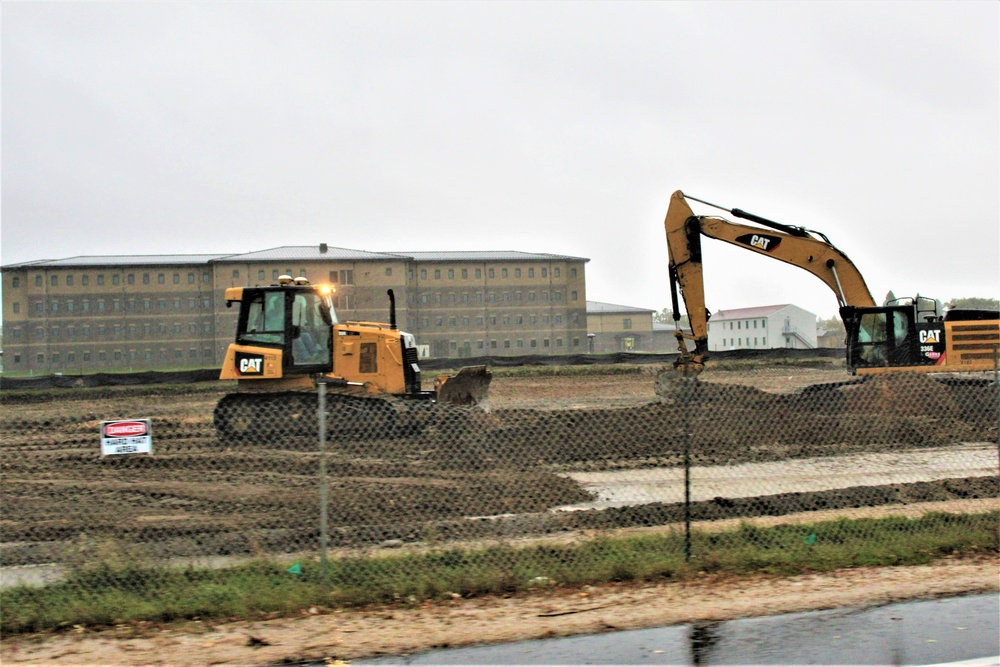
551	461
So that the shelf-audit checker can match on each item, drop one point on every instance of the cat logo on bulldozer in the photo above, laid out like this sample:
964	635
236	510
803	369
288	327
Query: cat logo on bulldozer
249	364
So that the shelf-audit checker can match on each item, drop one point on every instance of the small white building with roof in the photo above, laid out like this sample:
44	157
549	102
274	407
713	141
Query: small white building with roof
761	328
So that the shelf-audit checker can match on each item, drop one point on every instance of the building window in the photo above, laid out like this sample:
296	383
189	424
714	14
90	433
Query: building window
465	274
85	280
555	272
626	323
16	307
15	282
145	279
545	342
506	344
437	274
479	273
572	272
534	343
559	342
260	274
236	273
54	280
491	273
573	295
503	273
531	272
69	280
451	274
545	273
205	277
131	279
190	279
115	279
388	270
347	277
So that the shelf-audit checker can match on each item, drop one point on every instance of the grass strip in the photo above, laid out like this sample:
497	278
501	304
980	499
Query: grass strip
113	592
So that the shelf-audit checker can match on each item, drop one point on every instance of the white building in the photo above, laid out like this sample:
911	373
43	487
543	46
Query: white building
762	328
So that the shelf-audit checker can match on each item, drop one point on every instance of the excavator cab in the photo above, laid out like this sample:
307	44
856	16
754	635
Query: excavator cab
880	337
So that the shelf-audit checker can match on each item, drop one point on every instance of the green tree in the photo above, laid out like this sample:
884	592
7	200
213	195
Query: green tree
666	316
831	325
975	302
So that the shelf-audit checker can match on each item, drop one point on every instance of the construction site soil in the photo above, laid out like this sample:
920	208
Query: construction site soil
469	474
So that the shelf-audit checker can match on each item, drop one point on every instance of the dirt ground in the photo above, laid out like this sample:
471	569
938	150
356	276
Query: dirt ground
338	635
196	497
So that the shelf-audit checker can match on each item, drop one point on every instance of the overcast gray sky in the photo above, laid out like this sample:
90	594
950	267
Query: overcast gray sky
201	127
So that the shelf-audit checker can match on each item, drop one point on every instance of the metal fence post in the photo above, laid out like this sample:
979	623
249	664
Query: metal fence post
688	388
323	489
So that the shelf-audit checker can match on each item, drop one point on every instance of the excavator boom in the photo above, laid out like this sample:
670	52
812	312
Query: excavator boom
792	245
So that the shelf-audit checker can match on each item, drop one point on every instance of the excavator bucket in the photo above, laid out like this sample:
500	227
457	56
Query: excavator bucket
467	387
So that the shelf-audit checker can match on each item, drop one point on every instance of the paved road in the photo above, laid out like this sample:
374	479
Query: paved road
915	633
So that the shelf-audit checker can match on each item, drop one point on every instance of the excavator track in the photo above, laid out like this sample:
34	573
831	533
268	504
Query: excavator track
275	417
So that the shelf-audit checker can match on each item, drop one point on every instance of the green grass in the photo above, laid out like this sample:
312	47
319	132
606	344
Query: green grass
111	592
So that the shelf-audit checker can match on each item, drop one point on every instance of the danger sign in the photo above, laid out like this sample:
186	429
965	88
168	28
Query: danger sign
126	436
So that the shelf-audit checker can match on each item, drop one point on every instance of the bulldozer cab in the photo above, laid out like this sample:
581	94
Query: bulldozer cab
295	319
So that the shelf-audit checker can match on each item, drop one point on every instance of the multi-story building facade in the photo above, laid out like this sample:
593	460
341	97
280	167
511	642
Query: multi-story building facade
615	328
762	327
168	311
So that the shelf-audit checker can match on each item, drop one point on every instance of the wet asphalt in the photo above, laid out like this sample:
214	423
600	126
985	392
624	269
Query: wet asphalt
915	633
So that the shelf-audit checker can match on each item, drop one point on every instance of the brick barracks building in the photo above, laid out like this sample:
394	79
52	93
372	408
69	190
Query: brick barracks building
150	312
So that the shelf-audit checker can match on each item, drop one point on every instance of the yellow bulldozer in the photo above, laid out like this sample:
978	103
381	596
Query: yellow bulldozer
289	340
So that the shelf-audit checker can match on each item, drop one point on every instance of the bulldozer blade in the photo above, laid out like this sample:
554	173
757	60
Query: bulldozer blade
467	387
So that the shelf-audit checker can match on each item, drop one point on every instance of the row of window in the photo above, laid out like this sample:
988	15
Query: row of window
532	343
740	324
507	320
69	279
69	306
86	356
116	330
738	342
344	277
490	297
490	273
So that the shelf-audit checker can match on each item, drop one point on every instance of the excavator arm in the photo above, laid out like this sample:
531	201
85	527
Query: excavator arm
808	250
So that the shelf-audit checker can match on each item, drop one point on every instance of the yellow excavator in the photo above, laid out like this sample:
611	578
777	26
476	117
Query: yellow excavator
288	340
911	334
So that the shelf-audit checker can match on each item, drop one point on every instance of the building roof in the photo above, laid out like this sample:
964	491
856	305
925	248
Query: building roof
663	326
91	261
599	308
308	253
295	253
487	256
748	313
